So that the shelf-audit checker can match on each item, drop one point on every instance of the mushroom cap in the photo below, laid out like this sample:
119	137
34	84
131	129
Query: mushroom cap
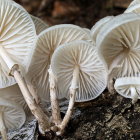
13	115
17	38
133	7
14	94
92	75
40	25
120	37
124	84
47	42
97	27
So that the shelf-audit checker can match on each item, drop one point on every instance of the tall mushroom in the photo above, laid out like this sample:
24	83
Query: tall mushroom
119	47
47	42
17	39
80	73
11	116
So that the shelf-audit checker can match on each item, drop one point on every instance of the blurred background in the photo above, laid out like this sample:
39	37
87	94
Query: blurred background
80	12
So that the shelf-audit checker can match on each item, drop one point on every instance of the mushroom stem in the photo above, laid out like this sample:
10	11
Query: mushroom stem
134	95
53	97
73	88
42	118
32	90
3	128
36	110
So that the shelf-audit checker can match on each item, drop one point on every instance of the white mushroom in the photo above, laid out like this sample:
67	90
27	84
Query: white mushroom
80	73
13	93
11	116
17	39
119	47
133	7
129	87
97	27
39	24
47	42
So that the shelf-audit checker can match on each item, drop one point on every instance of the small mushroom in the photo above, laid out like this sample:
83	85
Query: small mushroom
17	41
47	42
80	73
97	27
129	87
119	47
14	94
39	24
12	116
133	7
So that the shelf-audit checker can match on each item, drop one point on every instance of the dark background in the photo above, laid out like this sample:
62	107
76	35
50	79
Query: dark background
80	12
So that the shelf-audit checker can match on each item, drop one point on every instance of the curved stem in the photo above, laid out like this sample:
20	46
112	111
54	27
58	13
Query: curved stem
73	88
53	97
3	128
134	95
36	110
68	113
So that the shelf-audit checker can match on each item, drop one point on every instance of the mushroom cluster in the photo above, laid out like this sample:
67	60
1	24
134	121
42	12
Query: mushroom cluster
118	46
86	66
41	64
